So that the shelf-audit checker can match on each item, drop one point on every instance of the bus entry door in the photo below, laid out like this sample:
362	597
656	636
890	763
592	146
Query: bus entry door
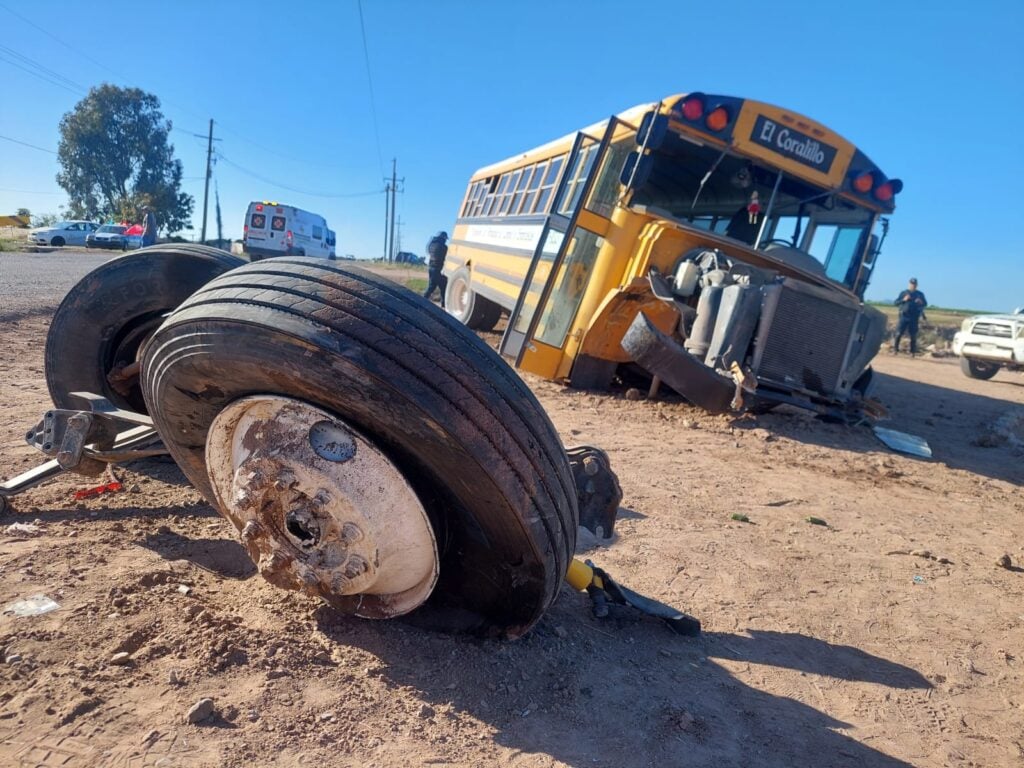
540	324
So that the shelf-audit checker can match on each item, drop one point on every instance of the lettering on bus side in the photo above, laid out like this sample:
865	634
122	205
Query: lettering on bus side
790	142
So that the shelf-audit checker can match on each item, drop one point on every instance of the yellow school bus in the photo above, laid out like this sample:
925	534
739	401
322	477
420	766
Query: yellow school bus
722	245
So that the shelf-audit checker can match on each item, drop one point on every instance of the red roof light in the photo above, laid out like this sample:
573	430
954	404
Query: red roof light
693	108
885	192
259	207
863	182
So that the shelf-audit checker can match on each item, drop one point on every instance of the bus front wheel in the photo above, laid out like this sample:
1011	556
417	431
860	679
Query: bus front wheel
467	306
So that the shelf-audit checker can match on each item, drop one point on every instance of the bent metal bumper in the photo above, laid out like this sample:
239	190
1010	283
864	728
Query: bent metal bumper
660	355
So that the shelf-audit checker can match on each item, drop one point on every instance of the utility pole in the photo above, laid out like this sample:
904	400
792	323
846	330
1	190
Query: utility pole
390	188
398	249
206	189
387	216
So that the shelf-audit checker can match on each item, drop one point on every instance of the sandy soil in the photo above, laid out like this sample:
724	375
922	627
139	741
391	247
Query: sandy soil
824	645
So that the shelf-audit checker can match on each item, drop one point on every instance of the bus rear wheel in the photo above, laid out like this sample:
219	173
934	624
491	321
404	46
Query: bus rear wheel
467	306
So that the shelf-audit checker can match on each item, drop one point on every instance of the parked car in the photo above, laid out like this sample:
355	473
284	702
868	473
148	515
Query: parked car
274	229
63	233
114	236
986	343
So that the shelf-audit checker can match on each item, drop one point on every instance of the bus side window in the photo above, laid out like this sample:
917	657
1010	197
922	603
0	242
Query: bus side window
495	201
549	184
531	193
507	197
524	180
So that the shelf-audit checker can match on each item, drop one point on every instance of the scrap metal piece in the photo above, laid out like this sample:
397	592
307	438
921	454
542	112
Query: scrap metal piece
666	359
903	442
319	508
597	489
85	442
603	589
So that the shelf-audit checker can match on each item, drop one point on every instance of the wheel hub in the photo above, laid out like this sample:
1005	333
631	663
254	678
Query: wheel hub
320	509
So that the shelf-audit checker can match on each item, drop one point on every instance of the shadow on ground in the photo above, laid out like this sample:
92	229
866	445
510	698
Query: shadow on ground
223	557
626	691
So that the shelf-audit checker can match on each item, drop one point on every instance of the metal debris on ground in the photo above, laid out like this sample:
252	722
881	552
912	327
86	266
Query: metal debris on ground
22	529
98	490
598	492
35	605
602	590
902	442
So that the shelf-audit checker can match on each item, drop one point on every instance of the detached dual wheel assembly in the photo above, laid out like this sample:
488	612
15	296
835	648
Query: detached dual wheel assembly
369	449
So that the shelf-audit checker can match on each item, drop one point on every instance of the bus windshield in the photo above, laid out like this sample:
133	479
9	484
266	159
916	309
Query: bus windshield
758	205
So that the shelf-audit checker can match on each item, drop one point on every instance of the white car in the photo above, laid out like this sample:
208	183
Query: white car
986	343
63	233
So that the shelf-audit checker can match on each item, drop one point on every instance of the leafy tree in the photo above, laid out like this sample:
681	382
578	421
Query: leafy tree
115	158
45	219
24	212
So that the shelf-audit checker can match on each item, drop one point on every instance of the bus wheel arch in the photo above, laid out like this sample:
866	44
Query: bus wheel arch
466	305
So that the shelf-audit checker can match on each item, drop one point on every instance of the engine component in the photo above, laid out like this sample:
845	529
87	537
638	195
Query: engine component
738	313
699	340
684	284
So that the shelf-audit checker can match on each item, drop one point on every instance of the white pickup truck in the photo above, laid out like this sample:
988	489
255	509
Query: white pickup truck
986	343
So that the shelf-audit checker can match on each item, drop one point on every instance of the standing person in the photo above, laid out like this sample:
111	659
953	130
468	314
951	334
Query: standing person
911	303
148	226
437	250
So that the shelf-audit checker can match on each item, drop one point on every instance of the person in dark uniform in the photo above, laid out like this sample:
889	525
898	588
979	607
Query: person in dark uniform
437	250
911	303
148	227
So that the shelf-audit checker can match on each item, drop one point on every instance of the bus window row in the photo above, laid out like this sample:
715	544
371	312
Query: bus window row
528	191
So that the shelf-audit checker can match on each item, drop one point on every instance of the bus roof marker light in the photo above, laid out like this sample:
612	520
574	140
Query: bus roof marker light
886	191
863	182
717	119
693	107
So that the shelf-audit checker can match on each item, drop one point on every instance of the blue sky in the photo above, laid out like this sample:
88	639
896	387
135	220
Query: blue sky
933	93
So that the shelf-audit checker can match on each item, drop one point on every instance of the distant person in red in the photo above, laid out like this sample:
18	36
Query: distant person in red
911	303
148	227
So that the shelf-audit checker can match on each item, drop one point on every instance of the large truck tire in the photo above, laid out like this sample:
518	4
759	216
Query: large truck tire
978	369
106	317
469	437
469	307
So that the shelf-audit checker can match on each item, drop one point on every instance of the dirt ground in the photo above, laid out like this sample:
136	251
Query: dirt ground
823	646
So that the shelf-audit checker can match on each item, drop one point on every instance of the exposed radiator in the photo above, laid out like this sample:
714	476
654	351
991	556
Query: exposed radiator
803	339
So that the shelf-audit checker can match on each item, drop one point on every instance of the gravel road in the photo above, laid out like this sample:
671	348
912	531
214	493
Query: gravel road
35	283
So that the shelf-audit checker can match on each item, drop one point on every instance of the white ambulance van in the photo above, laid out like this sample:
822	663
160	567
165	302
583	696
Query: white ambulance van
274	229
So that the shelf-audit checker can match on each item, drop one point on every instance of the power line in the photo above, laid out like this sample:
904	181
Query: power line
50	35
369	79
43	69
26	144
38	75
265	180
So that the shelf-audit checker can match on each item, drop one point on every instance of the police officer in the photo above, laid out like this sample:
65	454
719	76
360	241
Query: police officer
911	303
437	250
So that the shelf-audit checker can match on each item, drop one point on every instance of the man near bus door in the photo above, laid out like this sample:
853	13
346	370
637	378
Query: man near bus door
148	227
437	250
911	303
